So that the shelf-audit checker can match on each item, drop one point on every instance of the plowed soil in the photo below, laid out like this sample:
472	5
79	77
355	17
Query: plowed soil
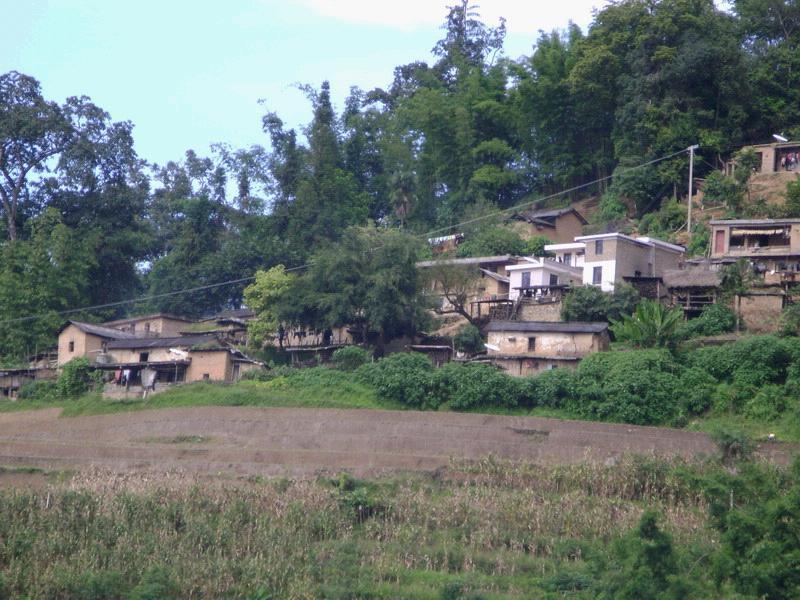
297	442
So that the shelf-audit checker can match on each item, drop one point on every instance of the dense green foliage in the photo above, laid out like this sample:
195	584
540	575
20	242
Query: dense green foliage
468	339
590	303
651	324
350	358
714	320
469	128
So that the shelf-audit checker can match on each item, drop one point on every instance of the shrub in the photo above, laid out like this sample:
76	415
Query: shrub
714	320
156	584
268	374
733	444
651	325
404	377
754	361
767	403
590	303
469	340
696	390
551	388
350	358
634	387
39	390
77	377
473	385
789	323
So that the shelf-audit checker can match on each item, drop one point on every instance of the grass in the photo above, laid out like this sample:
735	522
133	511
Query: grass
483	529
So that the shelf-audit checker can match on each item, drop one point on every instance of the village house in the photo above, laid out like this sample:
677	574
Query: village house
611	258
77	339
571	254
561	225
772	246
525	348
490	285
692	288
772	158
536	277
229	325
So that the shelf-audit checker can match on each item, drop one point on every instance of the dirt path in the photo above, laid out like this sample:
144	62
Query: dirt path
272	441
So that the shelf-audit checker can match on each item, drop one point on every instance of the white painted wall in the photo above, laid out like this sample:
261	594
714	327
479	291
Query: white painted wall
609	273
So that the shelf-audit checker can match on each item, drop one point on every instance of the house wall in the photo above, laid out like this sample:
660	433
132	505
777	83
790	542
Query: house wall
719	251
540	275
547	343
540	311
623	258
154	327
526	367
132	355
759	313
85	345
217	364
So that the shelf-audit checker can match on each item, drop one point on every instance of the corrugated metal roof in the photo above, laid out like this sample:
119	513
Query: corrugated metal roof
547	327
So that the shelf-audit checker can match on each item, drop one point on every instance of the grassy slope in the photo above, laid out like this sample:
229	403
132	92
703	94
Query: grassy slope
490	529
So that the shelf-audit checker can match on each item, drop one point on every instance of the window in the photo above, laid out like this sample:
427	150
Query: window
206	377
597	275
598	247
147	327
567	258
553	279
133	327
531	344
143	356
72	346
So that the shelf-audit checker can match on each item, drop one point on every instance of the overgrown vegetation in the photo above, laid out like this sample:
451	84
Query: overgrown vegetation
642	528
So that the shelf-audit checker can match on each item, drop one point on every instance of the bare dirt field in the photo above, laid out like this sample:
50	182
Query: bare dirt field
289	441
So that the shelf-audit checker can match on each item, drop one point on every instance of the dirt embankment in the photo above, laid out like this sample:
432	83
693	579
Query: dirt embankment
285	441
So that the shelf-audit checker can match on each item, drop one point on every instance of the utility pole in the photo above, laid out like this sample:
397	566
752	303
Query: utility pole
691	150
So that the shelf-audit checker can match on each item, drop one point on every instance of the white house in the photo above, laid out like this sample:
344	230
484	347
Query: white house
571	254
540	272
611	257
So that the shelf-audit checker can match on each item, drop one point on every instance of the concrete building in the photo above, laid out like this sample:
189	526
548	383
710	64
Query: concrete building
772	157
528	347
611	258
771	245
534	276
571	254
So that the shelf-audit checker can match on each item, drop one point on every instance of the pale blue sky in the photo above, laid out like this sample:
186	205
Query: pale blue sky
190	73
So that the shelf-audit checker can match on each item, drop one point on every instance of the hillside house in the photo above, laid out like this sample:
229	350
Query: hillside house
771	245
490	285
561	225
229	325
692	288
772	157
534	277
77	339
525	348
611	258
154	325
571	254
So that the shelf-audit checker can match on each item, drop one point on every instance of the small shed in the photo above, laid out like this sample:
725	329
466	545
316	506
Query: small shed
692	288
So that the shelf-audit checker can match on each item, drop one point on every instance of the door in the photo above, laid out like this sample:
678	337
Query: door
719	241
526	280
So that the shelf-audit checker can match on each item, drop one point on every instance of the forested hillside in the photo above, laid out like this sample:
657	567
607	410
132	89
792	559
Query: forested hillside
85	221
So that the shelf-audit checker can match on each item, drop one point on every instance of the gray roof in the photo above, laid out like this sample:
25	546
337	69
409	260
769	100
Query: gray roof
547	327
740	222
478	260
183	341
98	330
691	277
138	318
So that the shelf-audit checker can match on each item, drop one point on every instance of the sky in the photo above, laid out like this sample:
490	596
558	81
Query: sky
192	73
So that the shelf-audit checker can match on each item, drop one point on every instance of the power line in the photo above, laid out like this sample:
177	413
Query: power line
305	266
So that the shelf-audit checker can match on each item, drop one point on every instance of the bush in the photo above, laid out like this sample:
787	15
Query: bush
714	320
634	387
590	303
753	361
551	388
767	404
350	358
156	584
469	386
469	340
696	389
789	323
268	374
39	390
404	377
77	377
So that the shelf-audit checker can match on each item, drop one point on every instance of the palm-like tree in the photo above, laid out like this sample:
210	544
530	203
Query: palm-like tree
651	325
